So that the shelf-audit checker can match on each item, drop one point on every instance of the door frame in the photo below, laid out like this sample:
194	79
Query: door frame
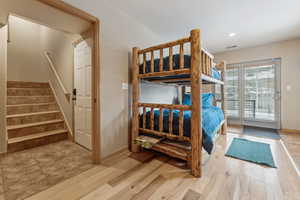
95	25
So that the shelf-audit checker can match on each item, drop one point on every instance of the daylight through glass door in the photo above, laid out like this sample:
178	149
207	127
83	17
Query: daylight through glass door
253	93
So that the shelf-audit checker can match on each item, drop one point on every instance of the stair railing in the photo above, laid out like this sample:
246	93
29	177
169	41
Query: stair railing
51	65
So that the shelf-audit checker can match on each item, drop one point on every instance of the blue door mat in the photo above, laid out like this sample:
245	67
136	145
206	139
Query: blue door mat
262	132
251	151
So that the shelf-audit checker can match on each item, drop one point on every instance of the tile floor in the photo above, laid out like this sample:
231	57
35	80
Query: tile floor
28	172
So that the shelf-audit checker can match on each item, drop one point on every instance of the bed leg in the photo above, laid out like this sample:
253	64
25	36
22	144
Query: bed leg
196	129
135	100
189	162
224	128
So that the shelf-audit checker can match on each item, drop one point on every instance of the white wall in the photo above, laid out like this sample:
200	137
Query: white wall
289	52
119	33
158	93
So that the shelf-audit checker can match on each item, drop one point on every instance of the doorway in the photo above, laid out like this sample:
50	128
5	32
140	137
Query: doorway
65	17
253	93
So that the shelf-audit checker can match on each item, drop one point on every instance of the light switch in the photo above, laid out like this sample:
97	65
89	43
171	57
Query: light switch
288	88
124	86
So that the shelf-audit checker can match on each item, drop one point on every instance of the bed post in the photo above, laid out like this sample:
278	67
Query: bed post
196	127
135	99
224	127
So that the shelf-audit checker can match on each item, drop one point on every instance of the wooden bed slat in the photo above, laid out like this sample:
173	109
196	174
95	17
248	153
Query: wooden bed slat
181	120
152	62
181	52
144	117
152	119
170	121
161	118
171	59
203	62
206	64
210	67
144	63
161	60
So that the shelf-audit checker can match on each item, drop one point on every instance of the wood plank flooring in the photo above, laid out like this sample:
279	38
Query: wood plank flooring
292	144
121	177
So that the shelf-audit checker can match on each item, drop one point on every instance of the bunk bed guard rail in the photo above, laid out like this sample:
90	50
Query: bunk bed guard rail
161	107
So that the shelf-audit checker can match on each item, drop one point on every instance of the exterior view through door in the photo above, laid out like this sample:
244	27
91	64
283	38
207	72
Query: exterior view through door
82	93
253	93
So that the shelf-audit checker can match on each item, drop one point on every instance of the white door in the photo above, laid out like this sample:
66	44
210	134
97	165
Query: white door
82	93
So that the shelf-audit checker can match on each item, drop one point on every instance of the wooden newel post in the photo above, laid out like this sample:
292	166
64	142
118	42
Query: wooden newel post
224	128
196	127
135	99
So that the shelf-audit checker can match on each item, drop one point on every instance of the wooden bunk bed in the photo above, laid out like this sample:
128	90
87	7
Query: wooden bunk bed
198	73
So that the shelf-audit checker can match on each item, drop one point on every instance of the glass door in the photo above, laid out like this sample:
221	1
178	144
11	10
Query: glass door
232	93
255	101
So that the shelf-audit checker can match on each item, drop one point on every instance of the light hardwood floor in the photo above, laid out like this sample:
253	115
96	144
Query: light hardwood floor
292	143
121	177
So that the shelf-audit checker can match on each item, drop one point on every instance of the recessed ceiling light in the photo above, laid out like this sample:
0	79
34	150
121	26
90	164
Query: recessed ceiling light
232	34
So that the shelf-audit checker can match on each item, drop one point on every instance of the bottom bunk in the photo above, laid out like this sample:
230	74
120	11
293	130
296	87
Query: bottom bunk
173	148
212	120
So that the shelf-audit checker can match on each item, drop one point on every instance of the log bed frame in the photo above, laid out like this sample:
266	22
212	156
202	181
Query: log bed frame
199	73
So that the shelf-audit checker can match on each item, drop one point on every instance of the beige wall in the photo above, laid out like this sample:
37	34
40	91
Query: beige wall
3	69
119	33
24	52
289	52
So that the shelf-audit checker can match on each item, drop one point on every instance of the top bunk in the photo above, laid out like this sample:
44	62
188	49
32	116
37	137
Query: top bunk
178	62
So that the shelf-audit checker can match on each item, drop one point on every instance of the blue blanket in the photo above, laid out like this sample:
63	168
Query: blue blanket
211	120
176	61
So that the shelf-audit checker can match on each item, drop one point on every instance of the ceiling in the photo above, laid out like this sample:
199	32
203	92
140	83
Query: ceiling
255	22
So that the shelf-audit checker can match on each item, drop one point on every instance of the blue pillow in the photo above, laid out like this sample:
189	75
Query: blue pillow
207	100
186	99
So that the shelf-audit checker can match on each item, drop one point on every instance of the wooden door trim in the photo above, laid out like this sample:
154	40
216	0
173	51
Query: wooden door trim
95	22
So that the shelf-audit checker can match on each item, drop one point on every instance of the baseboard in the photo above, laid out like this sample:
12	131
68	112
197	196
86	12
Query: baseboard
290	131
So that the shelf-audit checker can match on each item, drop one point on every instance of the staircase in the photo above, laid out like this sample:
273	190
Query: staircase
33	116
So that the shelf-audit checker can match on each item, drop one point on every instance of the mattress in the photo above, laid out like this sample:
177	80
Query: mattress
212	117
